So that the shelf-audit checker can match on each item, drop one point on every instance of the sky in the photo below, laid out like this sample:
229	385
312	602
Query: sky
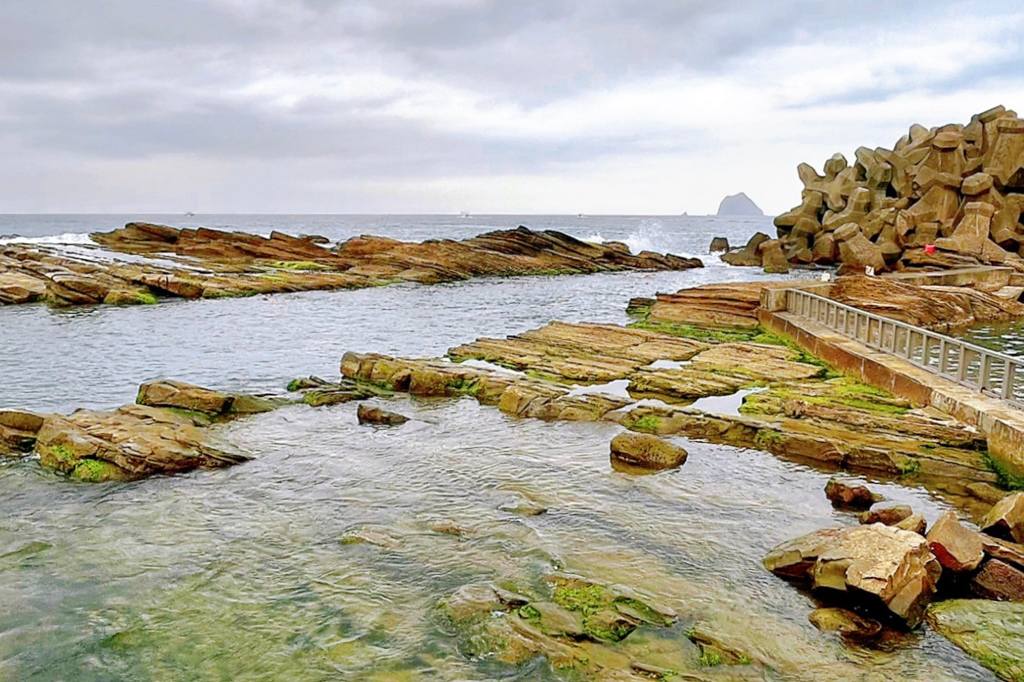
653	107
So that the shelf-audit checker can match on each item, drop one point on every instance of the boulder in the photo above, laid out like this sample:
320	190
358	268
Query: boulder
889	516
999	581
856	252
915	523
991	632
719	245
957	548
18	431
646	451
131	442
184	397
878	565
373	415
1006	518
845	495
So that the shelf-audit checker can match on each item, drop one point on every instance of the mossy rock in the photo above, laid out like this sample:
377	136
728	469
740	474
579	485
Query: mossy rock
98	471
992	633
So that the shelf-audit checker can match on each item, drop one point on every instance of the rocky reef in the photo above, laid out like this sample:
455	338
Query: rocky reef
957	188
165	432
164	262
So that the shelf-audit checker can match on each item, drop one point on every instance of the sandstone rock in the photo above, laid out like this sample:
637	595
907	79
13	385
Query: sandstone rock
999	581
18	431
991	632
888	566
1006	518
915	523
850	496
719	245
986	492
646	451
889	516
130	442
373	415
957	548
184	396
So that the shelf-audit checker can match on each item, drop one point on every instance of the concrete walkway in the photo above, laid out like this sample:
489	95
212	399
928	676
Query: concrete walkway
1000	423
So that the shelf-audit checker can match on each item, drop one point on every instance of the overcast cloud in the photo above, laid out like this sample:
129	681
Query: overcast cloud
507	106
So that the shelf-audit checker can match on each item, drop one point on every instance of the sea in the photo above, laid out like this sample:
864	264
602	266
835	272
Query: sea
239	574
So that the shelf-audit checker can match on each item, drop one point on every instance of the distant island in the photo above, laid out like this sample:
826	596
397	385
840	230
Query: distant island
738	204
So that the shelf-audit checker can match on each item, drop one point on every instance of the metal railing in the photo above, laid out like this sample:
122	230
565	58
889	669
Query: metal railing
991	372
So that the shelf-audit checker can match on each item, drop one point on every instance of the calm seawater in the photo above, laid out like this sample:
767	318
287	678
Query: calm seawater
238	574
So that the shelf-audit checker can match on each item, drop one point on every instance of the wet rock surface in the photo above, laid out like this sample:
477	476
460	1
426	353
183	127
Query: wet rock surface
374	415
991	632
205	263
165	433
646	452
850	496
568	372
892	567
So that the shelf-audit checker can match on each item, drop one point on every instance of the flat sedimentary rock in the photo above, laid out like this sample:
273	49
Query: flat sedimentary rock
186	263
889	516
713	305
990	632
932	307
999	581
373	415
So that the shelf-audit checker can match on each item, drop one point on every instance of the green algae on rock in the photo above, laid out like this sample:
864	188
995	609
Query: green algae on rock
990	632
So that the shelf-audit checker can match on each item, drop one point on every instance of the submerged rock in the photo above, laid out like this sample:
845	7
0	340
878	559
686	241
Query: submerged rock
889	516
646	451
849	496
990	632
373	415
885	566
844	622
523	506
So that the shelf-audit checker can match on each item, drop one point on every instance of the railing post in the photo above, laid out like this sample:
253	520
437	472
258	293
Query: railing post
943	357
984	380
961	371
1008	379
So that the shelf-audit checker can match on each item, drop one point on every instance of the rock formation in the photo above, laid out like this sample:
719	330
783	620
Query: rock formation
738	205
887	565
955	187
165	432
205	263
646	451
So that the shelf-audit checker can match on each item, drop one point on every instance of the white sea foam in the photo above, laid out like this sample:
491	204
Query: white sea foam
68	238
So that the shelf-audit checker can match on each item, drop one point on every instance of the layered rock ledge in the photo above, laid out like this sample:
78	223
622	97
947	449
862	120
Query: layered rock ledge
786	402
166	432
165	262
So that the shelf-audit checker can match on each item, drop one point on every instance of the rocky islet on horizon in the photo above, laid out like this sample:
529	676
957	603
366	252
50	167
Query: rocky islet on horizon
162	262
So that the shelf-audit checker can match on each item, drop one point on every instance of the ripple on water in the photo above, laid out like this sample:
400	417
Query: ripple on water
241	570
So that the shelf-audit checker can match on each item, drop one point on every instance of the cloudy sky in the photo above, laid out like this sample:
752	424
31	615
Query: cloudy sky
503	106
